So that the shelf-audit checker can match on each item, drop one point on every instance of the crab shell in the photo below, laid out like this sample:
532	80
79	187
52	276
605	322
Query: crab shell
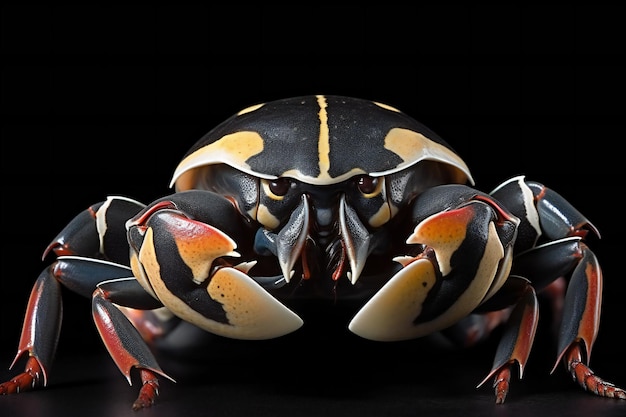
319	140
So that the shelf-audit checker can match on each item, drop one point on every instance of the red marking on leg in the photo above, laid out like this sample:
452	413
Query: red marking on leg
586	378
141	219
108	333
590	321
501	383
149	390
30	379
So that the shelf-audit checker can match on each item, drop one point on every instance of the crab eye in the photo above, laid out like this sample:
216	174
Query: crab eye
367	185
280	186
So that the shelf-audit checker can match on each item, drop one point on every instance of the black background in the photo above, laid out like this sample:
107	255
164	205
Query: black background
100	100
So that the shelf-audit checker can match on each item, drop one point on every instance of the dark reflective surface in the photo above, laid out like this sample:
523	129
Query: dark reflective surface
316	372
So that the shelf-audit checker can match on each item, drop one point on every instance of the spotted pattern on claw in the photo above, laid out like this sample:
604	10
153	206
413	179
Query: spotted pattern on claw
252	313
262	317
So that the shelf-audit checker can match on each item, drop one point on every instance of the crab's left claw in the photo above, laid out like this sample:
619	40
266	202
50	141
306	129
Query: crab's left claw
183	255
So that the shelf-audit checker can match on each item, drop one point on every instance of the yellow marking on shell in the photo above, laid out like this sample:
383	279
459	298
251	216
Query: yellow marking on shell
386	106
324	139
233	149
266	218
250	109
443	231
199	245
412	147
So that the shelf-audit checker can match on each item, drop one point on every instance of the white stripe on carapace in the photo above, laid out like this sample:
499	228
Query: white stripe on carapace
323	145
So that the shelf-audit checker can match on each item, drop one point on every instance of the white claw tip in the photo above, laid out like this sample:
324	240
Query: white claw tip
289	276
352	277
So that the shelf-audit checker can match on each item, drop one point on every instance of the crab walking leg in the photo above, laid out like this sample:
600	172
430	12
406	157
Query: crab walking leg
515	344
123	340
42	322
40	334
90	233
580	324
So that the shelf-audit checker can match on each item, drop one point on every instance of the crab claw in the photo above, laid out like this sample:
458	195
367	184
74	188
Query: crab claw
251	312
390	314
173	259
356	238
290	240
437	288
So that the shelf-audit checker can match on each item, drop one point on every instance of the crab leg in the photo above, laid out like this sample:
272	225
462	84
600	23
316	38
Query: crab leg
40	334
122	339
580	324
543	212
516	343
97	231
42	322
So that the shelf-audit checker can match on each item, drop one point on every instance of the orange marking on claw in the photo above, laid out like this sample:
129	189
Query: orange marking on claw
444	232
199	244
445	228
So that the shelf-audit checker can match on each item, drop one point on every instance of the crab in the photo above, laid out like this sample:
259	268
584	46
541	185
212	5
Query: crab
319	197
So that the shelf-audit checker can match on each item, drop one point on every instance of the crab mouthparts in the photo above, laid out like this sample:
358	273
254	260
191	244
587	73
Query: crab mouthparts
353	242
